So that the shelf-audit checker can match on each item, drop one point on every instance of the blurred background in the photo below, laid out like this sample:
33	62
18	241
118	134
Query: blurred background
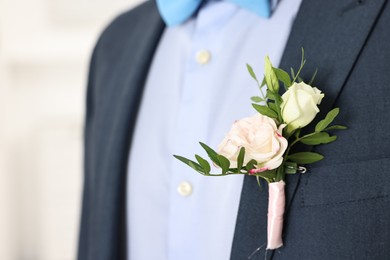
45	47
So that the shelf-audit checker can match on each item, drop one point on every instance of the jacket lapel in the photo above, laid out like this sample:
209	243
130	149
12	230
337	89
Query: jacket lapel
333	36
120	79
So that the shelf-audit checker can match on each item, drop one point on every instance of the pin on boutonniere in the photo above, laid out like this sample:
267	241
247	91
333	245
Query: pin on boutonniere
260	145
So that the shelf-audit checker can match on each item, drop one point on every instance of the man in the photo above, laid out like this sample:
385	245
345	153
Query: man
155	91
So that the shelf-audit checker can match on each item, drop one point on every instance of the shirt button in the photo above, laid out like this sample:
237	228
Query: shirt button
184	189
203	57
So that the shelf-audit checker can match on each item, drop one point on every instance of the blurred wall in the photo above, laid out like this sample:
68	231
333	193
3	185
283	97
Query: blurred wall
44	53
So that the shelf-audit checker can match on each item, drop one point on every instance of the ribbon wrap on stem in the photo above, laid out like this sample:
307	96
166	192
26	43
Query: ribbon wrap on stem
276	206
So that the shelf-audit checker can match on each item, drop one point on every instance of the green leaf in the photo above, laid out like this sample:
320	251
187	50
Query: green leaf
272	106
292	73
266	111
290	167
225	163
305	157
319	138
283	77
336	127
263	82
278	101
213	155
205	164
274	96
303	62
250	165
257	99
271	174
327	120
240	158
251	72
270	76
313	77
190	163
280	173
297	133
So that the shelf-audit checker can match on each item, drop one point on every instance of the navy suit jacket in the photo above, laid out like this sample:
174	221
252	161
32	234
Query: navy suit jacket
340	209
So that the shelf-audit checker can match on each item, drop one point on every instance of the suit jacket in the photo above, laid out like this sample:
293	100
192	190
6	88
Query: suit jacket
340	209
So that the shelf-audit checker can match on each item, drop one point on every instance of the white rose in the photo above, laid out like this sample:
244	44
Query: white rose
299	106
262	140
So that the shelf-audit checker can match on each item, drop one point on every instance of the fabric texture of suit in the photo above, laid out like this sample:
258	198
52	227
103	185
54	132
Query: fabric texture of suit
339	209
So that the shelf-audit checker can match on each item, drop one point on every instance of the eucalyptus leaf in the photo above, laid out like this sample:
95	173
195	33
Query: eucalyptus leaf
190	163
283	77
225	163
240	158
266	111
327	120
305	157
319	138
213	155
203	163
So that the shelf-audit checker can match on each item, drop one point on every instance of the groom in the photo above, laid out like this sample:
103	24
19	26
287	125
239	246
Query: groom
158	86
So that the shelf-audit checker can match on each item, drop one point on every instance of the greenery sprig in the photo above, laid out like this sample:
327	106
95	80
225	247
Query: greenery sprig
271	105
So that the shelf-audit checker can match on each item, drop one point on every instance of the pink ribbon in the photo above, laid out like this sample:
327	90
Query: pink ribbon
276	204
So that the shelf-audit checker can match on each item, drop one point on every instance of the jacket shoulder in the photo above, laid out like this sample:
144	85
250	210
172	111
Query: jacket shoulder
130	25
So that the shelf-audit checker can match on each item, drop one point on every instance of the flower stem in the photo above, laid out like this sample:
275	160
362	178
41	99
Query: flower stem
293	143
261	92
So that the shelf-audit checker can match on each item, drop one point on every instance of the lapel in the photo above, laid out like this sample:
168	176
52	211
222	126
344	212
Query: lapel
119	81
333	36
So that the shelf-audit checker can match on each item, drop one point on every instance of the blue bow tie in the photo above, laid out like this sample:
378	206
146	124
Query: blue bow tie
177	11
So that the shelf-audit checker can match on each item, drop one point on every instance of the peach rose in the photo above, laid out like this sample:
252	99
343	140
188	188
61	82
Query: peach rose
262	140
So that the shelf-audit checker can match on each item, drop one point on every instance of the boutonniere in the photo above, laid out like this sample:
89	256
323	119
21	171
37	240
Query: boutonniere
260	145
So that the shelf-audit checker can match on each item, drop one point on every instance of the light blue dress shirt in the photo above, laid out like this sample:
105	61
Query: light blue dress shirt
197	87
